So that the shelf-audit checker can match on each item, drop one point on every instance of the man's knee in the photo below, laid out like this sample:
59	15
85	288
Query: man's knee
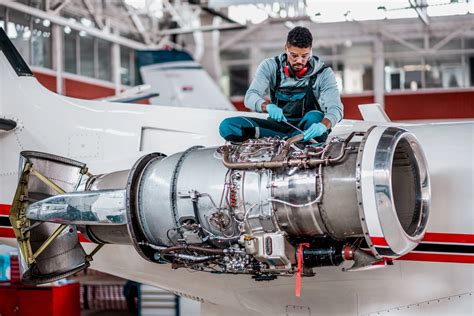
226	128
236	129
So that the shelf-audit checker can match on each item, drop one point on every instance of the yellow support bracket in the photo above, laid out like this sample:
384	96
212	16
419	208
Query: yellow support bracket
21	223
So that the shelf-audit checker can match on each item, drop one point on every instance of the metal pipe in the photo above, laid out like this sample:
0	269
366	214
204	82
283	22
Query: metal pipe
295	162
193	258
193	248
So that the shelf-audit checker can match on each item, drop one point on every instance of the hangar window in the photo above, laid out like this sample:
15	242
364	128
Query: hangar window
2	17
127	66
41	54
404	74
70	50
445	72
239	80
19	31
86	55
438	71
353	63
103	58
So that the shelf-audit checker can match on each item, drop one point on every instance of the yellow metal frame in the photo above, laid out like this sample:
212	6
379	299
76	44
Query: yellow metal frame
21	224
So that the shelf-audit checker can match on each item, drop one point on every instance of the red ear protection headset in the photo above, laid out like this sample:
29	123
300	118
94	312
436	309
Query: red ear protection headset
290	73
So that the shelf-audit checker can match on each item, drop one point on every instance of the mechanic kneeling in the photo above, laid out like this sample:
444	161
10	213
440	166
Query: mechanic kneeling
303	94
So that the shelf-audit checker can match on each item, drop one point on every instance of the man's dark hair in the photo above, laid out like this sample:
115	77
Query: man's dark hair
300	37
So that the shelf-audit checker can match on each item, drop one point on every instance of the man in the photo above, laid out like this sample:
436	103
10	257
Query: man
303	93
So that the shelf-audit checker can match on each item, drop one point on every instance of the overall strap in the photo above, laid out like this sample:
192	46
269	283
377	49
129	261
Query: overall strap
277	80
309	88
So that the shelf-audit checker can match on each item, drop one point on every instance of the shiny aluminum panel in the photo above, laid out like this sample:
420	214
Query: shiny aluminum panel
403	216
202	171
315	210
395	191
106	207
153	201
63	257
298	189
66	173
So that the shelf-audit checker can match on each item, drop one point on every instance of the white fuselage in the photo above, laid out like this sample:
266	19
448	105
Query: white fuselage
112	136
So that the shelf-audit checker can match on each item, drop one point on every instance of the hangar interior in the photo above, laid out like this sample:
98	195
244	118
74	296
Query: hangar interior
413	57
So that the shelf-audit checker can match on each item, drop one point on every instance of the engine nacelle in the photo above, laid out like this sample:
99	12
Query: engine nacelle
374	186
249	208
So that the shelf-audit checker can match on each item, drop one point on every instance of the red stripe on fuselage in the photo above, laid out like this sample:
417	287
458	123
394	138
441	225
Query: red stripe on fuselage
4	209
7	232
449	238
432	257
433	237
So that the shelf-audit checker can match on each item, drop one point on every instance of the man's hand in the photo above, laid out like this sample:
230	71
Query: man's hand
315	130
275	113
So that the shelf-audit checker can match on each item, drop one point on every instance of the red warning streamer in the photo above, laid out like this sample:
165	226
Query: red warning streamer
299	268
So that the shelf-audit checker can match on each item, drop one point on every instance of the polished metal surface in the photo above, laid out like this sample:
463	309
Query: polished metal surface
66	173
109	181
402	189
301	217
116	234
334	213
63	256
105	207
153	206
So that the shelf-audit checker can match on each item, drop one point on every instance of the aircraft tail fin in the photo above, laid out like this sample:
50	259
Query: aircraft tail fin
13	56
373	112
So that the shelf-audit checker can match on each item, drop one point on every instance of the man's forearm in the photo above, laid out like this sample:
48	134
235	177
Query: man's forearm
327	123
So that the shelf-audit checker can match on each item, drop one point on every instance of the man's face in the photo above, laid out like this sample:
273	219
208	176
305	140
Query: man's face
297	57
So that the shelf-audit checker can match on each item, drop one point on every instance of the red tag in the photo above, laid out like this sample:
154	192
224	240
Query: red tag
299	268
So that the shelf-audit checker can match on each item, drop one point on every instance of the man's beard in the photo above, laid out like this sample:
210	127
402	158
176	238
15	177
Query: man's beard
297	67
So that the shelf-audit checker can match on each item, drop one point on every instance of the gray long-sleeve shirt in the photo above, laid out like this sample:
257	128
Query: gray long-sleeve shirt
324	89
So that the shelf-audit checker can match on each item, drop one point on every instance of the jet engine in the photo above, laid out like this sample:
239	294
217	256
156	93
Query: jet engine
264	207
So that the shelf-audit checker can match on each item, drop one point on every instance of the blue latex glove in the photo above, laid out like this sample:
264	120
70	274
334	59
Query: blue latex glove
275	113
315	130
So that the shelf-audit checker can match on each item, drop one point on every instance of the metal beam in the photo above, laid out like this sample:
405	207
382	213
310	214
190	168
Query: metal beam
234	39
206	28
420	7
400	40
102	34
449	37
92	13
59	6
137	23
